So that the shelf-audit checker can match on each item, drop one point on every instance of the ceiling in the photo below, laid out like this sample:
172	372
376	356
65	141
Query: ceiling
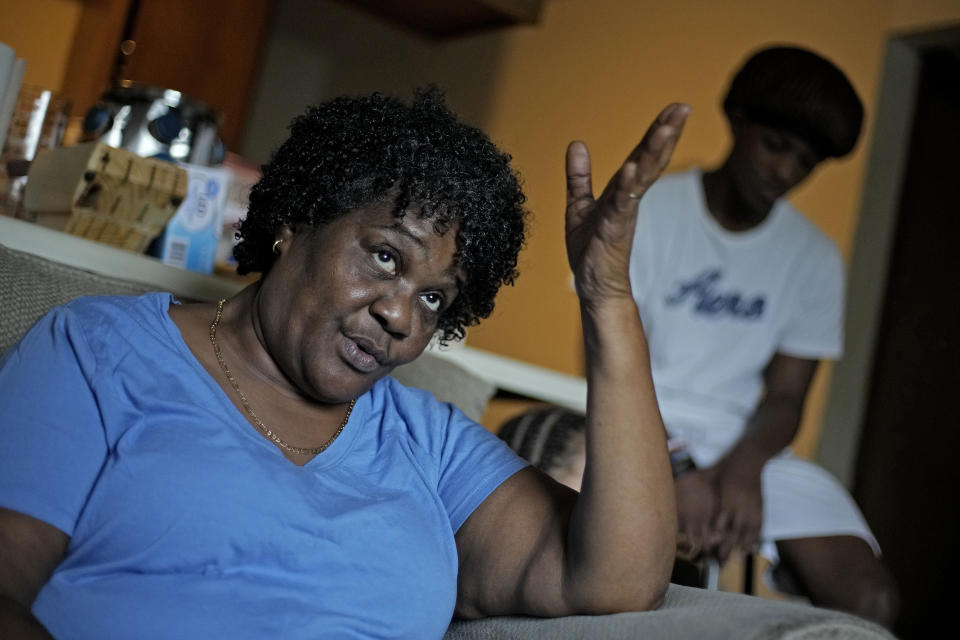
444	19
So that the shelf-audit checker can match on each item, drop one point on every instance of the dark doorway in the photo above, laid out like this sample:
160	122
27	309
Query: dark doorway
908	473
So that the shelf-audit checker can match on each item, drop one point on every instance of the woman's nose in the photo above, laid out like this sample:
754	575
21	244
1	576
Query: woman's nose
394	313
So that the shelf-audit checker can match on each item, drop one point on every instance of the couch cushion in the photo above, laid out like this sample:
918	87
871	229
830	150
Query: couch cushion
31	285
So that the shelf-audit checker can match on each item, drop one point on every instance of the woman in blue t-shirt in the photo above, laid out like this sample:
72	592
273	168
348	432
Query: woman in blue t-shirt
246	468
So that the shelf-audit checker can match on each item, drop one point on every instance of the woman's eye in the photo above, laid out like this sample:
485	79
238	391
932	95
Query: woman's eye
386	261
433	301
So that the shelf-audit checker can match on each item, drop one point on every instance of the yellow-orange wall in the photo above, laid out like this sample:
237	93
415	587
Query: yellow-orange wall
597	70
600	70
40	31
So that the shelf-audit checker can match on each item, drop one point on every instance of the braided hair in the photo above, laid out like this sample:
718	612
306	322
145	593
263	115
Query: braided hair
548	437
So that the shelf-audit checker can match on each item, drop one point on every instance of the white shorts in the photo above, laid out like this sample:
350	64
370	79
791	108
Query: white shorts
803	500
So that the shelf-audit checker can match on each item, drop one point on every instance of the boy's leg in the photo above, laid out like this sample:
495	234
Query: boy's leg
842	572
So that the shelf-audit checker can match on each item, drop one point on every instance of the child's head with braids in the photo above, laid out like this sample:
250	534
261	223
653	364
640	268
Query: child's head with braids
550	438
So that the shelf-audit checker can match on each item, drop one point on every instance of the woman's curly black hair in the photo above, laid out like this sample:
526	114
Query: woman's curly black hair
353	151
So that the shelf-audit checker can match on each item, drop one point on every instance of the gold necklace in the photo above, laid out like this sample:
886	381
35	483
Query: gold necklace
246	405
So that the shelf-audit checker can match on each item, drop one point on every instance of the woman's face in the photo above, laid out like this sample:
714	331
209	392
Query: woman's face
347	302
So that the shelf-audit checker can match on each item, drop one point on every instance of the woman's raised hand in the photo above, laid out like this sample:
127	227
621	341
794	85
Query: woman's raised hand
599	231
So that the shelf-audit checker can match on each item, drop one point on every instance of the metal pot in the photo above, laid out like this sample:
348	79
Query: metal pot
156	123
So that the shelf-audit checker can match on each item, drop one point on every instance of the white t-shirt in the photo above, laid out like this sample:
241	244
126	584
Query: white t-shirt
717	305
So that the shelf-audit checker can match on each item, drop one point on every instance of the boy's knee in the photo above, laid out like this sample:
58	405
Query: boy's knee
869	595
878	600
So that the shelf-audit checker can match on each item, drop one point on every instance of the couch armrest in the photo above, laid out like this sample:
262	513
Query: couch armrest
687	613
449	382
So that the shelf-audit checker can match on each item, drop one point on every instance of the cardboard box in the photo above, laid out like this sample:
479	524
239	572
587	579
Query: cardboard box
101	193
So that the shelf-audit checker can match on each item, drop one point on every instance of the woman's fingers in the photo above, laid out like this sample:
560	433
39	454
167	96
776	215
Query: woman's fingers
651	156
642	167
626	193
579	180
657	143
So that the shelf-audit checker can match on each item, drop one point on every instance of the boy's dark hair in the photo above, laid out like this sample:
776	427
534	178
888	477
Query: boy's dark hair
798	90
353	151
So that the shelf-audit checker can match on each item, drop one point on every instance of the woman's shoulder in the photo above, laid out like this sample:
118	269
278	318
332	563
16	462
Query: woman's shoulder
119	307
415	414
412	404
92	334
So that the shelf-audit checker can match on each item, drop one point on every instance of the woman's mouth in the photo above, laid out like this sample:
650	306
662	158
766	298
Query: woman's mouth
359	355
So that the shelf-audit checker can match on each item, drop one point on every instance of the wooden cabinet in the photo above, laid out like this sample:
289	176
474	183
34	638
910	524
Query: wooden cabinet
208	50
211	50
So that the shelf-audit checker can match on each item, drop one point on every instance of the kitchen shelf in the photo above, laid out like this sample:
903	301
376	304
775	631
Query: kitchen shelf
504	373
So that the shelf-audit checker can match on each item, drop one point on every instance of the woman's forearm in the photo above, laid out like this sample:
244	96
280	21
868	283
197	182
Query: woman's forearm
622	533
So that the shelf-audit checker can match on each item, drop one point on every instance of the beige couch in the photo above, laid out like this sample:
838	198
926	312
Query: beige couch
30	284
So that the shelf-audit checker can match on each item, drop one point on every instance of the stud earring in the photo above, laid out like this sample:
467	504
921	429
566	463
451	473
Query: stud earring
276	245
